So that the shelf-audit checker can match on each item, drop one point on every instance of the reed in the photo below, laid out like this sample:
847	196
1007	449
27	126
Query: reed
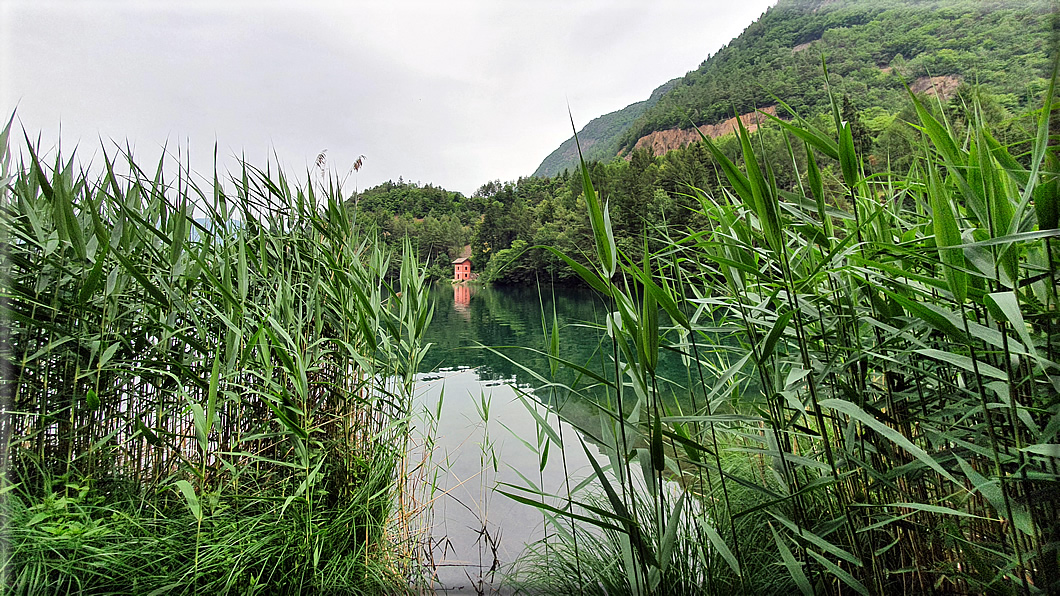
207	386
872	367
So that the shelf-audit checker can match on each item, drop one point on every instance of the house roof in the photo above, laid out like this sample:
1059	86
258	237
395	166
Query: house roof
461	260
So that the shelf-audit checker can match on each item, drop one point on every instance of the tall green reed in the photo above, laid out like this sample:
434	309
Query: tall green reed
901	331
229	354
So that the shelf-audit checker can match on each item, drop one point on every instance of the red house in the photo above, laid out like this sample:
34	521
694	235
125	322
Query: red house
462	269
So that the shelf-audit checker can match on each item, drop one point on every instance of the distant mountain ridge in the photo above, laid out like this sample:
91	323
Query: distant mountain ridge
872	48
599	138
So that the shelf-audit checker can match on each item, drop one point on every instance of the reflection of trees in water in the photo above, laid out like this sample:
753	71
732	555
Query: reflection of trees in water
589	408
509	320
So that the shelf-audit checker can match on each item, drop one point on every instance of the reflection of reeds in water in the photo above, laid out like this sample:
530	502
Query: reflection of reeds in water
205	387
903	330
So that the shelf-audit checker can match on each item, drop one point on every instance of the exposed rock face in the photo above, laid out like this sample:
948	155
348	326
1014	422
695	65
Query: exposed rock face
943	86
662	141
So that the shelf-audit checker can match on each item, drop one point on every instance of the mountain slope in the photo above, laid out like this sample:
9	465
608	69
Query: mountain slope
600	138
873	48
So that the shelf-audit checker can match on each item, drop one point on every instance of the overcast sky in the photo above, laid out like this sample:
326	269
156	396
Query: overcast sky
453	93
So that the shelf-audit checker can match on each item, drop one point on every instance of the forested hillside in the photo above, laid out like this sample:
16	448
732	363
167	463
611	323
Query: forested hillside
992	55
650	197
872	48
601	137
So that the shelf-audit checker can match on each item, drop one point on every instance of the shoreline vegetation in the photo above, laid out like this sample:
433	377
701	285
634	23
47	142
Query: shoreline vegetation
206	389
210	387
902	327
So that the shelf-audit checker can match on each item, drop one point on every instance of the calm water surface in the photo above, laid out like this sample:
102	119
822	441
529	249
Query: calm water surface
486	434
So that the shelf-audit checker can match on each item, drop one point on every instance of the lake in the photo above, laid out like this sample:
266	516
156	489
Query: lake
486	434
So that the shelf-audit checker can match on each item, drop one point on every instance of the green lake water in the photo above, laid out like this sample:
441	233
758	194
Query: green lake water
482	424
486	434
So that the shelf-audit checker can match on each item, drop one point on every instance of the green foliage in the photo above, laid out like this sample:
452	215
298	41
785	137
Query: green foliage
902	329
207	388
438	223
872	48
1000	45
416	201
87	540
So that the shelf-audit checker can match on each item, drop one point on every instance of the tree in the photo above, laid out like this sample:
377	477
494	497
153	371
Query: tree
858	130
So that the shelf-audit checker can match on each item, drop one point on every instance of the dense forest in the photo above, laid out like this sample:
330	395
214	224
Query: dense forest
647	194
872	48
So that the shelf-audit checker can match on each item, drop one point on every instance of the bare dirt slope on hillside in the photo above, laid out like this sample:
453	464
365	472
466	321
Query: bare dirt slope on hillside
662	141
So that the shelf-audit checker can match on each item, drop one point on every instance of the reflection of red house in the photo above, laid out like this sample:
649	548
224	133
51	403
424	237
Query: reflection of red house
461	296
462	269
462	300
